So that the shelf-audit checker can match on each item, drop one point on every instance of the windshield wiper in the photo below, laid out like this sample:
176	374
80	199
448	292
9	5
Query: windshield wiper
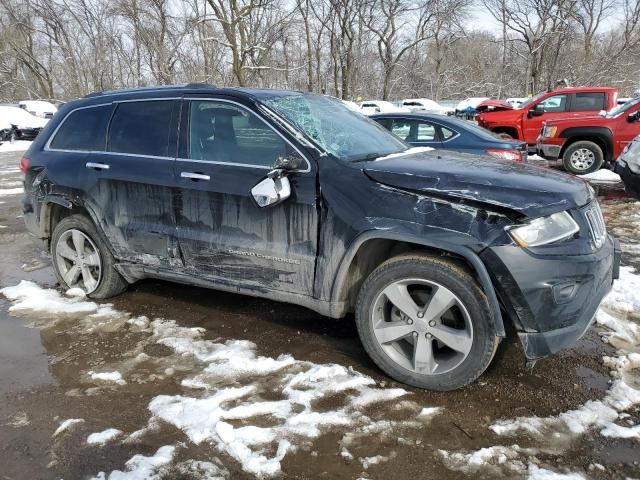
366	158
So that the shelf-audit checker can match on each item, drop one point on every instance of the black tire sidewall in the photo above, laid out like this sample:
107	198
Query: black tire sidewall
462	285
111	283
597	151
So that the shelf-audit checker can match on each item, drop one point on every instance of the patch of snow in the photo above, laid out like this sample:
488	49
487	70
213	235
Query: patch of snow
66	425
602	176
537	473
140	467
367	396
100	438
16	146
115	377
344	453
75	292
429	411
10	191
368	461
618	431
195	469
27	296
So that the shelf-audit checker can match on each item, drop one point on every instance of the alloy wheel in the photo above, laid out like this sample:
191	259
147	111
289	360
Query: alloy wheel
78	261
422	326
582	159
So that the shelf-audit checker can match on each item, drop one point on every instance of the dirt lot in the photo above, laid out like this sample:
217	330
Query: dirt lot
288	411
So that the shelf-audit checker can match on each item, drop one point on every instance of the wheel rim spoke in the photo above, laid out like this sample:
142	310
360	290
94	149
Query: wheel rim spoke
71	275
66	251
388	332
92	259
441	301
78	242
453	338
87	278
398	294
423	359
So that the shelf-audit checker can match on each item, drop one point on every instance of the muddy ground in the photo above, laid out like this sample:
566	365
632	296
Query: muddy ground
44	365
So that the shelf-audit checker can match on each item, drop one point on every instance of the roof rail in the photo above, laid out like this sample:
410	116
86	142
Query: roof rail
150	88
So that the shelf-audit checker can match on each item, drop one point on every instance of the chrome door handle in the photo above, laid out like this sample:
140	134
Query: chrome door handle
195	176
97	166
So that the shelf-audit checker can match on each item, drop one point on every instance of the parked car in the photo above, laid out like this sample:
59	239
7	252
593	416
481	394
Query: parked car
24	126
585	143
5	130
291	196
449	133
371	107
628	167
516	102
468	108
425	105
524	123
39	108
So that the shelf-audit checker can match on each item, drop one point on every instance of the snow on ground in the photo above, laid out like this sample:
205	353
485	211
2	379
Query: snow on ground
248	407
66	425
10	191
16	146
602	176
618	315
104	436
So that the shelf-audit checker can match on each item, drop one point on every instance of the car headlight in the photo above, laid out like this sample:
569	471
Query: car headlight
544	230
549	131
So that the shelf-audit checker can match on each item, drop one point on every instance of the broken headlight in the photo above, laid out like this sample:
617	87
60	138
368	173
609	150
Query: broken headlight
544	230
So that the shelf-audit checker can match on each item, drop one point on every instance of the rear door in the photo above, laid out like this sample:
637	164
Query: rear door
133	180
225	150
416	132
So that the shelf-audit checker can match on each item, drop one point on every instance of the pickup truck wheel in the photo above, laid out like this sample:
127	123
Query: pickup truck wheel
583	157
81	259
426	322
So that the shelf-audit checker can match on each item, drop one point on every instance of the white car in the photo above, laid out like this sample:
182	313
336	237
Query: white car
371	107
24	125
351	105
426	105
39	108
515	102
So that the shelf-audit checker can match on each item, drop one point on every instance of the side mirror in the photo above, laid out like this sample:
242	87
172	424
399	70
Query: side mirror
289	163
535	112
271	191
633	117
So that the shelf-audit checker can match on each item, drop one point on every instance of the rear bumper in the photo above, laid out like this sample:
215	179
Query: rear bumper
552	301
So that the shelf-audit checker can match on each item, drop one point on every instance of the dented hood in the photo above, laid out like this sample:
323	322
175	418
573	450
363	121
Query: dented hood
529	190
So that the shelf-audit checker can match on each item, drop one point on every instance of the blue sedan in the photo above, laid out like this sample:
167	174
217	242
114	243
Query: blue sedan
447	133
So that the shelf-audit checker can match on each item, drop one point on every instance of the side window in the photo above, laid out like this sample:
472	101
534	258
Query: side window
589	101
446	134
554	104
402	129
426	132
84	129
222	132
141	128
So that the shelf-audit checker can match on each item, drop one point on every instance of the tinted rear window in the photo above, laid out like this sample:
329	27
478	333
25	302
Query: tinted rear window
84	129
589	101
141	128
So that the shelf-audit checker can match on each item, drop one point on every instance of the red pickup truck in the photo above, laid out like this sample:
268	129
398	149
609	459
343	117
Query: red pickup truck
525	122
585	143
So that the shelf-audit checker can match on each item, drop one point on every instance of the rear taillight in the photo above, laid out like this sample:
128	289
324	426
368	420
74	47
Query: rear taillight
24	164
513	155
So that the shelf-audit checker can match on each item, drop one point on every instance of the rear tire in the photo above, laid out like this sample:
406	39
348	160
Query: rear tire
583	157
81	259
446	342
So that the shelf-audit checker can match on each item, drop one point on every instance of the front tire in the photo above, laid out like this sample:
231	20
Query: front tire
425	322
583	157
82	260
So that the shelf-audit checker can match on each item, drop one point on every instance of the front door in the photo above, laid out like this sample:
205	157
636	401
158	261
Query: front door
626	130
550	108
225	150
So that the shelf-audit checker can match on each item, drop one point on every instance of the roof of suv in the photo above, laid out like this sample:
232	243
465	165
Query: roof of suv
195	87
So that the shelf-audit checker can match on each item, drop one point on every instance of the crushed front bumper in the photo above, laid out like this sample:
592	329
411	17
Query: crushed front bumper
552	301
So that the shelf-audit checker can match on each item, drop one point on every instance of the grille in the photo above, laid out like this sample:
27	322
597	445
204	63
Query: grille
596	223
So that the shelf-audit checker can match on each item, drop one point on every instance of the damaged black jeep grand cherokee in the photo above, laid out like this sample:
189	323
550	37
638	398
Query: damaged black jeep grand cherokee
292	197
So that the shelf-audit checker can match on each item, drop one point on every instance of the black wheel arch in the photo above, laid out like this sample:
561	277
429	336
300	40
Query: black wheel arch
601	136
399	242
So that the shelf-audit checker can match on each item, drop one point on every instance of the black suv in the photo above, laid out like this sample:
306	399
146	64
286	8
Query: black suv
293	197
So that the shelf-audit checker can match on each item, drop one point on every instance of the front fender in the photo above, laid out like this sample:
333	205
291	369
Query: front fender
465	252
